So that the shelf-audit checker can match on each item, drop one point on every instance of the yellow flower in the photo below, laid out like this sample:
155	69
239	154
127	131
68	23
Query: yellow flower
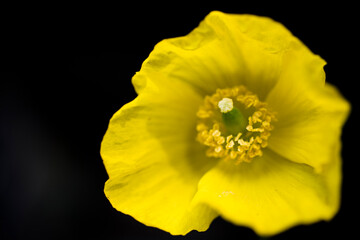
233	120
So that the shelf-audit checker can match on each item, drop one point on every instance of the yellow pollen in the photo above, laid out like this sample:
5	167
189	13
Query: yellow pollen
237	137
230	144
219	138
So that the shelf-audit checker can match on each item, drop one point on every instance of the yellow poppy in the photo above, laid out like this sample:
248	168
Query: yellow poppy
233	120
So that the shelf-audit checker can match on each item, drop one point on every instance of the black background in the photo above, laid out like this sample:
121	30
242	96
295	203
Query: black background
67	69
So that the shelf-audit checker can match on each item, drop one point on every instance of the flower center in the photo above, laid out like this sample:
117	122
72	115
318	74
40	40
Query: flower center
234	124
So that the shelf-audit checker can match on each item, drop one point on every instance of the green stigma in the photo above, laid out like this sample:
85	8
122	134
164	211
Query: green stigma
233	119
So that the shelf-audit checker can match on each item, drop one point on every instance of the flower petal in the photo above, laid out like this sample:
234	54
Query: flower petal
310	114
272	194
225	50
153	161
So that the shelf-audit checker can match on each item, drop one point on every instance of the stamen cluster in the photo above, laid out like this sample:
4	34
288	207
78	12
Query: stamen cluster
241	146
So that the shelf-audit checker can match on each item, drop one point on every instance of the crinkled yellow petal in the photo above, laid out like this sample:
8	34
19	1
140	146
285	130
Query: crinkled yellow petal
161	176
272	194
310	113
225	50
153	161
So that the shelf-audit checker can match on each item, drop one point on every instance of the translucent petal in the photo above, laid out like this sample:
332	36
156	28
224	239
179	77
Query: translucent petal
225	50
310	113
272	194
154	163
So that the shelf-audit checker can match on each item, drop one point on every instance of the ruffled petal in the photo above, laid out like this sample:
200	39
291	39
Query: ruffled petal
310	113
153	161
155	164
272	194
225	50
